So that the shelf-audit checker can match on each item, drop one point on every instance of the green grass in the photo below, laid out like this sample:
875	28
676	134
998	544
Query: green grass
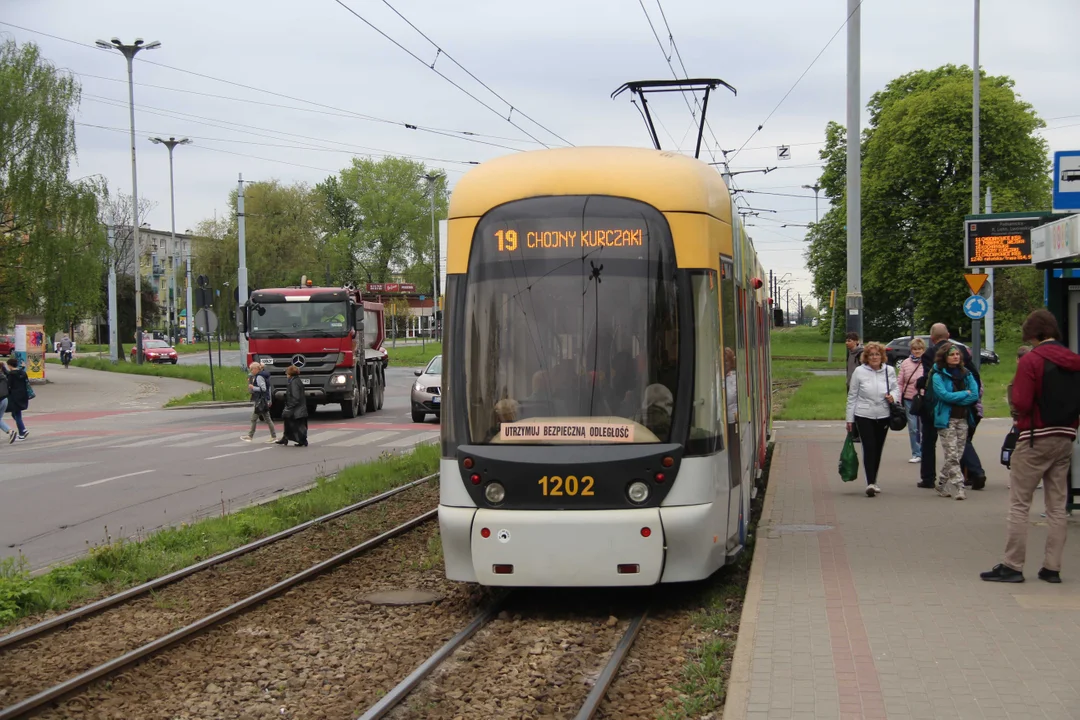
230	382
803	342
412	355
114	566
818	398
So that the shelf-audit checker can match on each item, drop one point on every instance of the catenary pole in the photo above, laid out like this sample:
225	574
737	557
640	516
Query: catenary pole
976	334
854	300
241	271
112	297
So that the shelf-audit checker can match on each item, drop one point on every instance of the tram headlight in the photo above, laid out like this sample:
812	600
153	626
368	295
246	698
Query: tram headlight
638	491
495	493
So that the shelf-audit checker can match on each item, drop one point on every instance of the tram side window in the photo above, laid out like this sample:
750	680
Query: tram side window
706	434
727	300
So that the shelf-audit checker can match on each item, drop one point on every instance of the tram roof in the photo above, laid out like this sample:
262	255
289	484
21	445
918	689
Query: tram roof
668	181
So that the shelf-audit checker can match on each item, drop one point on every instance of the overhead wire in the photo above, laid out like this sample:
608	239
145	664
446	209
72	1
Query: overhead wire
487	87
441	74
465	135
796	83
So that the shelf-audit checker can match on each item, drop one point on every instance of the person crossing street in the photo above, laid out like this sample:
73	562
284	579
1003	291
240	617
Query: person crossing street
259	387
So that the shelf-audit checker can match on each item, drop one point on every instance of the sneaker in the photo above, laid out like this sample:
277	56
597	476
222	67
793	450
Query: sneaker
245	438
1002	573
12	436
926	485
960	495
1050	576
871	490
24	434
877	488
270	440
942	491
915	459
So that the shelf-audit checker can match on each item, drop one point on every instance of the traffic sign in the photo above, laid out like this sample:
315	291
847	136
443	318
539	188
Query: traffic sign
1067	180
206	321
976	307
783	152
975	282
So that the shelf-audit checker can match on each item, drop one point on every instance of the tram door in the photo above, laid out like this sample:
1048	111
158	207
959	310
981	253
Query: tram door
734	388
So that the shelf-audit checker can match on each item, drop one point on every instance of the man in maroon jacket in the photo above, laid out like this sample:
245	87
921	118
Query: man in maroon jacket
1043	452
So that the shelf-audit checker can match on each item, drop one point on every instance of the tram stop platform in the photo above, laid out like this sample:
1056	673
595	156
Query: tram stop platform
863	607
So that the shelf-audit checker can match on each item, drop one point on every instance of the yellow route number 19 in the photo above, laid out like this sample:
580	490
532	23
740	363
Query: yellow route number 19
508	240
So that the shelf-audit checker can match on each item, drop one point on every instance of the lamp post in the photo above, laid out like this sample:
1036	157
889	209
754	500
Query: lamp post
129	52
433	179
170	144
816	188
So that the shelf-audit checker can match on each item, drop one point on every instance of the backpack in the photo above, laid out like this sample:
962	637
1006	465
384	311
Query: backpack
924	404
3	385
1059	398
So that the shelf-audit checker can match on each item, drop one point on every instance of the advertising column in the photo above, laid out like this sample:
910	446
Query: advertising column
20	344
35	352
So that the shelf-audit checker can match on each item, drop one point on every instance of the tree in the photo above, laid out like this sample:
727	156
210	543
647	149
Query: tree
917	189
49	237
377	216
809	312
114	208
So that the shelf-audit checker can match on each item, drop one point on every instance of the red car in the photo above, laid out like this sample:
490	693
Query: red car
156	351
7	344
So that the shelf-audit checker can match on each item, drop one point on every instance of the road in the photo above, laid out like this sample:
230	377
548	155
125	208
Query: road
103	461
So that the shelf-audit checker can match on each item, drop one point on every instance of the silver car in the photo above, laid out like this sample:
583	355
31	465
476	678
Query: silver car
427	391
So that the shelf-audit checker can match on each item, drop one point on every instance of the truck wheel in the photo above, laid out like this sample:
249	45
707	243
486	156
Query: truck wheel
373	391
381	393
352	406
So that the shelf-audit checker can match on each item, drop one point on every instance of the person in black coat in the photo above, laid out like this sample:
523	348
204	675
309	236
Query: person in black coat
18	397
295	412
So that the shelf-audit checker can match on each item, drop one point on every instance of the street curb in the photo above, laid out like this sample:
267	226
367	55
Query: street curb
738	689
210	406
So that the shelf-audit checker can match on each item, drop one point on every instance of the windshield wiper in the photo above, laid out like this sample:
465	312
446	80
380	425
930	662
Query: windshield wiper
324	333
272	333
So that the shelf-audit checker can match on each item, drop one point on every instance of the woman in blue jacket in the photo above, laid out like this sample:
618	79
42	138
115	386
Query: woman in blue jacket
955	395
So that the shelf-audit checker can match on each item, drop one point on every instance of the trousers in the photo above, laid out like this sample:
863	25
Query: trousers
872	433
1048	459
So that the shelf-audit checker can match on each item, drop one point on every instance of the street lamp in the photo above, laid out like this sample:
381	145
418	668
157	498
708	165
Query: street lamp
129	52
816	188
432	179
170	144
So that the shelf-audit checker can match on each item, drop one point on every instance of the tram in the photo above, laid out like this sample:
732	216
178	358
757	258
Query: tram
606	384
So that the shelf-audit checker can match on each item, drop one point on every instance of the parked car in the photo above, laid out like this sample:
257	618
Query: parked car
7	344
900	348
427	391
157	351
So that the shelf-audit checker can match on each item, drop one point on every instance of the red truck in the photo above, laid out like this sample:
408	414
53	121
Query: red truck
332	335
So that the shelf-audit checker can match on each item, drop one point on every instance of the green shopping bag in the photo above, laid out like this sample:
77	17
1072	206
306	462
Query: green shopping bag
849	461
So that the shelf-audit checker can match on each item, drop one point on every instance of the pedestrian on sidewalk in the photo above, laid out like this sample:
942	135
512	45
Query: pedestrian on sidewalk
295	412
259	387
955	395
18	398
970	461
1046	397
871	392
911	369
854	360
3	406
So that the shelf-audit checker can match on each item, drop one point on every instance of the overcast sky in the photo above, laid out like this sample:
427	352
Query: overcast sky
557	60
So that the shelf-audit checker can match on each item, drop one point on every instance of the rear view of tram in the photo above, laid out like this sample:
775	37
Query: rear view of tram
591	394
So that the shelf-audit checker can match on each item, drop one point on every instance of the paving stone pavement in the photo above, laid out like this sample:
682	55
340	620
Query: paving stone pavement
873	608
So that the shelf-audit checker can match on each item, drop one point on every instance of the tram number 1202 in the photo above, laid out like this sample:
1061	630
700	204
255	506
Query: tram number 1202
555	486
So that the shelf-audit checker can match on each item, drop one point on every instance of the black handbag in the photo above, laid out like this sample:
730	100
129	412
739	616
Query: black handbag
1008	446
897	415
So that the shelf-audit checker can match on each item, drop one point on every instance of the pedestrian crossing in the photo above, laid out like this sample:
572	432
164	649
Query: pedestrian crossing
347	438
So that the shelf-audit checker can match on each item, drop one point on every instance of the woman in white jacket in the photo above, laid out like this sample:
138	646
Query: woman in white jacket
872	389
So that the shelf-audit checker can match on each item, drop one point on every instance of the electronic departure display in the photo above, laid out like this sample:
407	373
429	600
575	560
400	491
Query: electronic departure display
1000	242
550	238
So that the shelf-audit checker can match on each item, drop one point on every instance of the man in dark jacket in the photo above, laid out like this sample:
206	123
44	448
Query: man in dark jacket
939	335
259	387
18	398
1043	450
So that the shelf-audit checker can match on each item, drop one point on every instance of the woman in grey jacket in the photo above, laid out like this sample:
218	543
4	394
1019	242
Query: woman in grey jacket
872	390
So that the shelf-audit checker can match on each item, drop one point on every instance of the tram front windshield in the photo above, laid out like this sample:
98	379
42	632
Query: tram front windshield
571	323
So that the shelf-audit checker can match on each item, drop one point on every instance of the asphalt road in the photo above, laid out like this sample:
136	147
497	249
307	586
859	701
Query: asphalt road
99	463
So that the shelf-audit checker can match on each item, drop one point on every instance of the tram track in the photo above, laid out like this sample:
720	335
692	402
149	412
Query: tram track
38	662
441	684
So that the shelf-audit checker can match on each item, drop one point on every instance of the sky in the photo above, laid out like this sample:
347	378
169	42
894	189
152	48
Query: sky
344	89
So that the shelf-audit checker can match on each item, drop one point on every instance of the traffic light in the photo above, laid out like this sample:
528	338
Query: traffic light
202	297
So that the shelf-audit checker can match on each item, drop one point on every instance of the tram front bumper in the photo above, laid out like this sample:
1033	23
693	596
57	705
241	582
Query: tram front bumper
533	548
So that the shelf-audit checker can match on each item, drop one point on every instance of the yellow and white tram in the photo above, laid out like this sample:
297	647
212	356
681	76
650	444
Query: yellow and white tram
605	372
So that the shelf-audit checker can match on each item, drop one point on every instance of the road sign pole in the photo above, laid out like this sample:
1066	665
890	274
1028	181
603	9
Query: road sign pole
210	355
832	322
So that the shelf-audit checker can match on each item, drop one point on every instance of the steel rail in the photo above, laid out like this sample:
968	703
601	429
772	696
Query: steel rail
603	682
165	641
389	701
105	603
